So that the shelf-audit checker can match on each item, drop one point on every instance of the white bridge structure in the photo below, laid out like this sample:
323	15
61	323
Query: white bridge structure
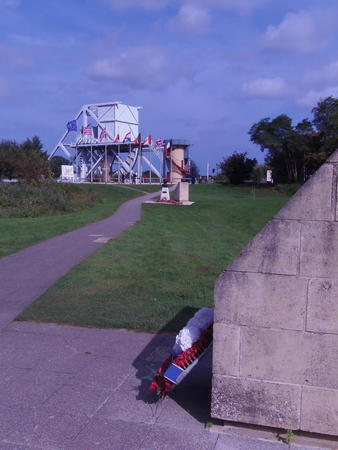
103	143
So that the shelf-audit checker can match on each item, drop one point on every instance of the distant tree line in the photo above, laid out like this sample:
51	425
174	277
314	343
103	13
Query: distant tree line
28	162
294	152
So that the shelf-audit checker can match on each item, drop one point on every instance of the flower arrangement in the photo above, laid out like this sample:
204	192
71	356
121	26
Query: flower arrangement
190	344
173	202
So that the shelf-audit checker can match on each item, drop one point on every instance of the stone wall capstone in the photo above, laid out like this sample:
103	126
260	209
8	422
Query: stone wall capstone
275	358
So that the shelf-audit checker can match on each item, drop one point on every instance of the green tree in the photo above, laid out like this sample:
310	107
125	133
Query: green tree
287	146
8	158
259	173
32	165
194	169
55	164
325	120
237	167
295	152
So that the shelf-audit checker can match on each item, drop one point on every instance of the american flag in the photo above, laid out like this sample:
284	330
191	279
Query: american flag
87	131
127	137
103	134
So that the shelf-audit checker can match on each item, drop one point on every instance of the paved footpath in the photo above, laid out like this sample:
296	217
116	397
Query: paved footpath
64	387
25	275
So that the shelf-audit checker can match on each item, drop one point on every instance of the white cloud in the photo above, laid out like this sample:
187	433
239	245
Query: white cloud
140	67
304	31
312	97
10	2
327	75
144	4
192	18
241	6
265	88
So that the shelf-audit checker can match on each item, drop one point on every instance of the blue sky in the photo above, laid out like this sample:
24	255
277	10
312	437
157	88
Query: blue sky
203	70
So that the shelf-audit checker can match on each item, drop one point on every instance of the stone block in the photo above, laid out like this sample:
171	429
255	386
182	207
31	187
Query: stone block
333	158
313	201
274	250
319	412
265	300
319	249
181	192
322	308
290	357
256	401
226	349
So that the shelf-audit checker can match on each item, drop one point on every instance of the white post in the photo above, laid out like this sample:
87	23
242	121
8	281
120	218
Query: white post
207	172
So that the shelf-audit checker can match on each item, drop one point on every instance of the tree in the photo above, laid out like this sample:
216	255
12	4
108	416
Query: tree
55	164
194	169
295	152
8	158
237	167
288	146
325	119
259	173
32	165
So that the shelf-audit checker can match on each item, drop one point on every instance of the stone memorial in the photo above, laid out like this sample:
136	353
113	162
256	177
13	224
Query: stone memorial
275	357
181	192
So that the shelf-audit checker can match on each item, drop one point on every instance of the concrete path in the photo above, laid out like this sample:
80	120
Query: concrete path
25	275
64	387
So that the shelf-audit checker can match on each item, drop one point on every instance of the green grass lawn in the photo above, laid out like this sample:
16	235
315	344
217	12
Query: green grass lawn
152	274
19	232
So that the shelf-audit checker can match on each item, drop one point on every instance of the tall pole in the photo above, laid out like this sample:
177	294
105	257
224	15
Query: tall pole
105	164
130	169
150	172
139	168
91	163
208	172
76	163
118	165
171	165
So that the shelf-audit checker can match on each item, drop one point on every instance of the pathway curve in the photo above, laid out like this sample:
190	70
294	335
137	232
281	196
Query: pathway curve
25	275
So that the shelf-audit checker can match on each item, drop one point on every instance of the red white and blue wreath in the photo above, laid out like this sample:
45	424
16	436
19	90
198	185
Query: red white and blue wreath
191	343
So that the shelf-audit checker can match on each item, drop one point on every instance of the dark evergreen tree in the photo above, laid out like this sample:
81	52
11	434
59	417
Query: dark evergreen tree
237	167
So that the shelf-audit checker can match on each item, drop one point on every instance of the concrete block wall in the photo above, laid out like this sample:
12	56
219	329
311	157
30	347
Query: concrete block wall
275	359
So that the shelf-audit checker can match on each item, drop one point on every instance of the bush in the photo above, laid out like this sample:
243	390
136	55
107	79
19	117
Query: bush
25	200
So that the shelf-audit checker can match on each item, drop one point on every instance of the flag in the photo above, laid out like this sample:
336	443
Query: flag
167	145
137	140
127	137
158	142
87	131
72	125
103	134
147	141
117	138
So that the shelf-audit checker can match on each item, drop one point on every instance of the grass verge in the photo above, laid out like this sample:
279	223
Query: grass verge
163	266
20	232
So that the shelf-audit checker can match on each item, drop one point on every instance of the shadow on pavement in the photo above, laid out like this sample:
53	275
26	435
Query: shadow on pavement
193	394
